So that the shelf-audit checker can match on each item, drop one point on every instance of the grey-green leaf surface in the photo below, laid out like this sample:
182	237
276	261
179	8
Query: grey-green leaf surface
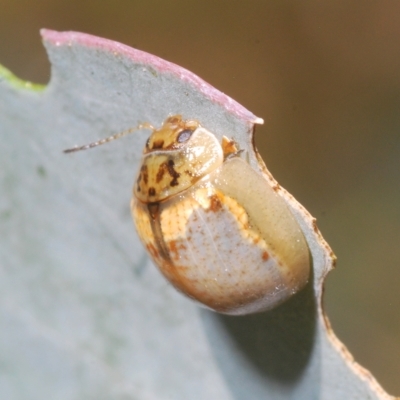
83	312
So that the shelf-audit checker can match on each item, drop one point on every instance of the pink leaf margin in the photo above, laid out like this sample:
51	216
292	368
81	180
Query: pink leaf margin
71	38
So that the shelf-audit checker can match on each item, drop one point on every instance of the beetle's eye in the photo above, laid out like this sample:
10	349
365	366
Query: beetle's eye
148	143
184	135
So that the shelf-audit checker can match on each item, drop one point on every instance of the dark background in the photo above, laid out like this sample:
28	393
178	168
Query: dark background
325	76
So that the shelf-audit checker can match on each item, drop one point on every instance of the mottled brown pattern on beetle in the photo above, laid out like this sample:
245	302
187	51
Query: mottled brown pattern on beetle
191	174
144	174
175	175
174	249
161	171
152	191
215	203
193	177
168	167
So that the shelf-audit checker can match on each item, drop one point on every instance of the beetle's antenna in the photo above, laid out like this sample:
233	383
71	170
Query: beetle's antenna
110	138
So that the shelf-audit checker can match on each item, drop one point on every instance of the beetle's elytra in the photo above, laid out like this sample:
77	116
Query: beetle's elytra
212	224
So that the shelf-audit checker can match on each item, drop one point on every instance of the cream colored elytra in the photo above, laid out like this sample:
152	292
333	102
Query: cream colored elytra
213	225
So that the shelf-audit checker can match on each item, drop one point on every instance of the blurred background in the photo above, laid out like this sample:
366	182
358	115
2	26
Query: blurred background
325	76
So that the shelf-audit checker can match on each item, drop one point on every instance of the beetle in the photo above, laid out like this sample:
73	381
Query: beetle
212	224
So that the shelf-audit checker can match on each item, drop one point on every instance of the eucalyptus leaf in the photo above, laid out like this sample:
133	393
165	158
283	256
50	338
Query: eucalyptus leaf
84	313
